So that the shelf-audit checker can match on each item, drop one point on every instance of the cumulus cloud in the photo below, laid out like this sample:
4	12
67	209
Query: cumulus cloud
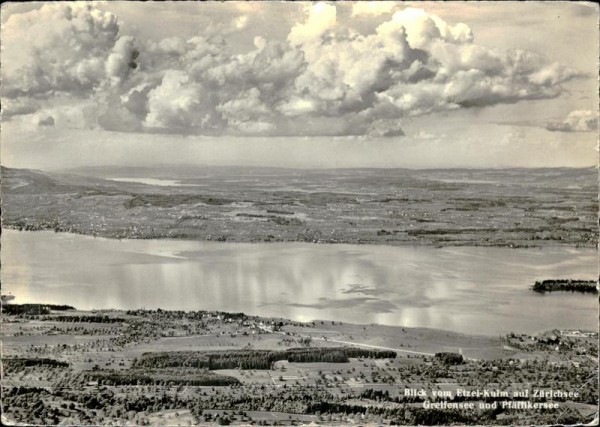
323	79
57	48
385	128
576	121
62	52
246	112
321	17
121	60
413	64
173	102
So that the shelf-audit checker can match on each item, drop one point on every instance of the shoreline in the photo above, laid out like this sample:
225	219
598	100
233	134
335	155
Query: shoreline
426	340
324	323
368	300
418	243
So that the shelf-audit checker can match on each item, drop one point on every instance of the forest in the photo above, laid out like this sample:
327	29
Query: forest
32	309
449	358
194	377
17	363
584	286
255	359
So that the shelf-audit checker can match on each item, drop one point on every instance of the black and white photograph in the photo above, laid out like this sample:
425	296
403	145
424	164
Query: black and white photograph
287	213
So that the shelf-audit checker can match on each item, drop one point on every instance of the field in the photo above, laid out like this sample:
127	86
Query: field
510	207
182	368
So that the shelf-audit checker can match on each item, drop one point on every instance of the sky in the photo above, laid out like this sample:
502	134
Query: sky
300	84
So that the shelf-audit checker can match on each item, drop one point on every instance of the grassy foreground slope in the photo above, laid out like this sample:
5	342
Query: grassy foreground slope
156	367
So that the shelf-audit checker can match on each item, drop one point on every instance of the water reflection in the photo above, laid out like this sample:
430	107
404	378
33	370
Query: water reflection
471	290
155	181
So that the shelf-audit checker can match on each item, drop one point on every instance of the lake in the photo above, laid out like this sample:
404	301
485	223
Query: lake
156	181
465	289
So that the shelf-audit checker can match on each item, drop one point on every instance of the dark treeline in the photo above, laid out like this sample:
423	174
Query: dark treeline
585	286
171	200
190	315
379	395
145	377
334	408
18	363
85	319
33	309
255	359
334	354
449	358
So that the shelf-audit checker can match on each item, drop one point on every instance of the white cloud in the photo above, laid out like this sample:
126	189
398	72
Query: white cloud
172	103
252	127
241	22
121	60
247	113
321	17
576	121
385	128
60	47
298	107
413	64
324	79
67	115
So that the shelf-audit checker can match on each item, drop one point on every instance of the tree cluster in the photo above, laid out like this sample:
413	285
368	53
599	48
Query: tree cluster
149	377
584	286
449	358
32	309
18	363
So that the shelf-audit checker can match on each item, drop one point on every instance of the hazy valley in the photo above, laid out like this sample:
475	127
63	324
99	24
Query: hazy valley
511	207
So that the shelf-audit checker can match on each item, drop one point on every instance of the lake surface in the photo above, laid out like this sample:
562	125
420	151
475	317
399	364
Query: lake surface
155	181
467	289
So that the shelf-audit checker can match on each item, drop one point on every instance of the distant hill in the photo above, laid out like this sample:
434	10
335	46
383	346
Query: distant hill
493	207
